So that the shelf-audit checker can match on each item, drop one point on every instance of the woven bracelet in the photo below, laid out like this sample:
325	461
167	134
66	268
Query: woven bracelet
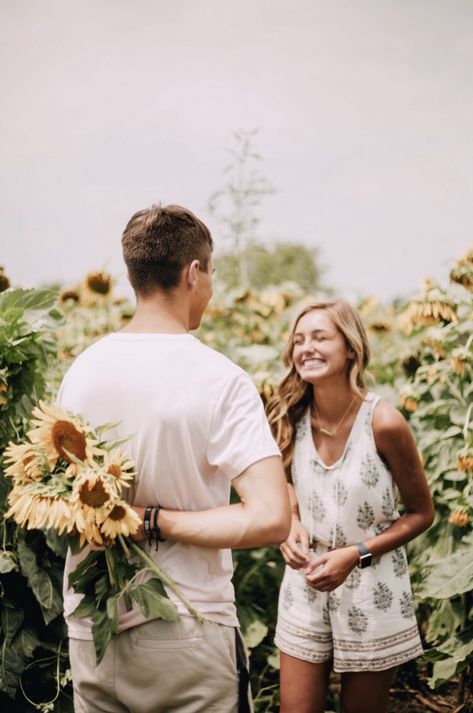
146	523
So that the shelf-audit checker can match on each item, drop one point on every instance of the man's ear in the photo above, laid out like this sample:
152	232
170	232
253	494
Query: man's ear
191	273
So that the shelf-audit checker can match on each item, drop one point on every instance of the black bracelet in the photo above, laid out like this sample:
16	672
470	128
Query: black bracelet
156	528
146	523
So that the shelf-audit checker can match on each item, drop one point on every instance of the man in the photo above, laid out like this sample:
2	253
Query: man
198	425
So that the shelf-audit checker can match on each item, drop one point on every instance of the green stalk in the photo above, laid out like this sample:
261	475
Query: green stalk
124	546
110	567
167	580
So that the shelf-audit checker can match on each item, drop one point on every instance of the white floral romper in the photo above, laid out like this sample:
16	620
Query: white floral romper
368	622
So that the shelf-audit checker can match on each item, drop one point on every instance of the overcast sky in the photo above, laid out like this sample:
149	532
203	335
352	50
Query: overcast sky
365	111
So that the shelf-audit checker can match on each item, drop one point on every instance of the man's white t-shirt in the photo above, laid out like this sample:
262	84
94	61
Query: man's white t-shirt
196	422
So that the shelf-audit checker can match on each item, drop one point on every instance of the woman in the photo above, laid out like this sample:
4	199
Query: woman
345	600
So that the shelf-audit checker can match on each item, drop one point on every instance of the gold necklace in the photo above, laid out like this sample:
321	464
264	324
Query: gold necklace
325	430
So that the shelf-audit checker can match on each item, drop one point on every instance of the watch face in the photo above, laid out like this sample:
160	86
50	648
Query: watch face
365	560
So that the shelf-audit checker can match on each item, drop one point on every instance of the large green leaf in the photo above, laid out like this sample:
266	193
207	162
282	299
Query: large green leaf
102	632
41	583
255	633
28	302
12	618
450	576
456	653
14	655
154	602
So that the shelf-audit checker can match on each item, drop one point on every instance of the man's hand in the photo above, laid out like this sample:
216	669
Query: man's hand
328	571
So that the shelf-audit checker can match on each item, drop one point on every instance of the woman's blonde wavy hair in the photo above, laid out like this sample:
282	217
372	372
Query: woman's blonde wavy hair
294	395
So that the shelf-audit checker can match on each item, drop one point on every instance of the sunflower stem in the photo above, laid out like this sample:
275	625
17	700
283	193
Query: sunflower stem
167	580
124	547
110	566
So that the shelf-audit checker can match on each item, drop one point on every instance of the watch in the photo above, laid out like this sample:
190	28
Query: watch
365	556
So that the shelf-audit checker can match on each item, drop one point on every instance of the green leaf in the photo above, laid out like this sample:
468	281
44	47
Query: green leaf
153	601
74	544
255	634
86	607
14	655
57	543
12	617
40	582
8	562
450	576
83	578
27	301
106	427
102	632
459	650
445	618
112	611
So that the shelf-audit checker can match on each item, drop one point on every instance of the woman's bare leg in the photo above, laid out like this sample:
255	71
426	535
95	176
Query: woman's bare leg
303	685
366	691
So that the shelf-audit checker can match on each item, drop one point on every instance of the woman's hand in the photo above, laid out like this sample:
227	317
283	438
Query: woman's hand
295	550
328	571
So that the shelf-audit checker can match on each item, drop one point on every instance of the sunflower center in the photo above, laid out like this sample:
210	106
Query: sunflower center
115	470
99	282
67	438
94	495
118	513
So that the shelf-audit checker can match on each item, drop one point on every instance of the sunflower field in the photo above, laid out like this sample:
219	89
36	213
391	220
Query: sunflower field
422	363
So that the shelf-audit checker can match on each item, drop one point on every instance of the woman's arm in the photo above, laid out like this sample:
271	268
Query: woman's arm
395	444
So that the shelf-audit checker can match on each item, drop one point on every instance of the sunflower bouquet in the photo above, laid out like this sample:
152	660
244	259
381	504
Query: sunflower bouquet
67	478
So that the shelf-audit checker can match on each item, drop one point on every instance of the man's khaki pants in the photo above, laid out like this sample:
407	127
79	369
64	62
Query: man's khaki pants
182	666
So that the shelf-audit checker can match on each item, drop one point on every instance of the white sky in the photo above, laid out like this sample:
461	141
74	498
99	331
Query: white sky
365	111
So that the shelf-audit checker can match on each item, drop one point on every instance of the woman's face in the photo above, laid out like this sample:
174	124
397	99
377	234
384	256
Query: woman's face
319	349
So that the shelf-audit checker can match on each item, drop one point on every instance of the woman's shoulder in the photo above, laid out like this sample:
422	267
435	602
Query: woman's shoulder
387	421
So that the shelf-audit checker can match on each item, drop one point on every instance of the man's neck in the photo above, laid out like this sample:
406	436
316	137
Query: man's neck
160	316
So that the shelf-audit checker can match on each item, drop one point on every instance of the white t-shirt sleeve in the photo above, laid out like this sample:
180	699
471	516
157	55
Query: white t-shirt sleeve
239	433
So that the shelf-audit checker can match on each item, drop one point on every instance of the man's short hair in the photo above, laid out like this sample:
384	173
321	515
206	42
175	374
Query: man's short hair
158	242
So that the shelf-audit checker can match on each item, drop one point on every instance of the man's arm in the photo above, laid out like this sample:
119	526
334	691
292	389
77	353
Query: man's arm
263	516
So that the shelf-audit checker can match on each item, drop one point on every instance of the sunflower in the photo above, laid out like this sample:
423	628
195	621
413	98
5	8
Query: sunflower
379	326
27	509
60	516
121	520
58	434
461	357
462	273
70	295
118	465
86	526
465	460
459	518
92	490
96	289
4	281
434	306
24	465
3	393
408	399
